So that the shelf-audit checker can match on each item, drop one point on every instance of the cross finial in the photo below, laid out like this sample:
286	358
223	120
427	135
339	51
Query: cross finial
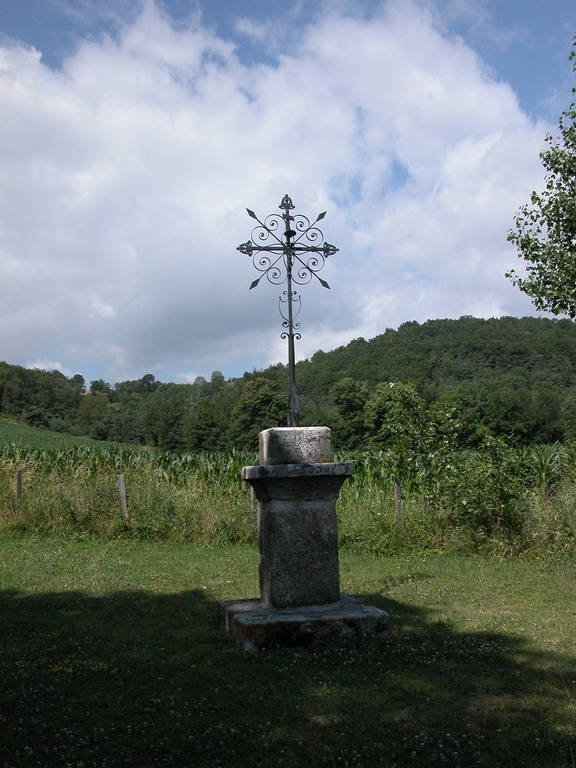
286	203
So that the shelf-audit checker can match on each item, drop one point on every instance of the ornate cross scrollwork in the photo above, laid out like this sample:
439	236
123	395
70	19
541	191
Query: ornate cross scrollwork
289	249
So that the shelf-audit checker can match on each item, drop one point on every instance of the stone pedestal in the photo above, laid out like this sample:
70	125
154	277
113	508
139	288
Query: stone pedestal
297	486
256	629
298	532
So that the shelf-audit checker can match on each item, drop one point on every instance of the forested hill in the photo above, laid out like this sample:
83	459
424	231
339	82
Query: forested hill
440	354
510	377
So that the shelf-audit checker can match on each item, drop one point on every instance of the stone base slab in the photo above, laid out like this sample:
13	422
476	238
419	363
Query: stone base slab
257	628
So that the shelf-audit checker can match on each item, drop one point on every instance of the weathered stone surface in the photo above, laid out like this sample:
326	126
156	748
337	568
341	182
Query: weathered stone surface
298	532
263	472
256	627
297	486
295	445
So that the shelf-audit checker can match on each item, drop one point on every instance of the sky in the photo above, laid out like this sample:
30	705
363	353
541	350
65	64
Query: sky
135	133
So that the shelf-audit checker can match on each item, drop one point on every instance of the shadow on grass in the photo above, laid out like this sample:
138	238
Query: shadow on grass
138	679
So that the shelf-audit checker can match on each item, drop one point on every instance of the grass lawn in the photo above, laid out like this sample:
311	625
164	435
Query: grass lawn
111	655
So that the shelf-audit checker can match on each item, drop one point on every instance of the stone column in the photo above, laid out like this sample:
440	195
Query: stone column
297	487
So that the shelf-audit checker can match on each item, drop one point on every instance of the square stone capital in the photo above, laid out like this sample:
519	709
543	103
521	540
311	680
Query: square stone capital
295	445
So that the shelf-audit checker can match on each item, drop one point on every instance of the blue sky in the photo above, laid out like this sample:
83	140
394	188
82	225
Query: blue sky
133	135
524	41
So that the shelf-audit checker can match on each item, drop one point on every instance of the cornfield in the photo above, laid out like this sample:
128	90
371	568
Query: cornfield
511	500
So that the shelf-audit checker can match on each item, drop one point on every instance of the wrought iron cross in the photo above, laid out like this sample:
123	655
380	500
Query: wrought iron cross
288	249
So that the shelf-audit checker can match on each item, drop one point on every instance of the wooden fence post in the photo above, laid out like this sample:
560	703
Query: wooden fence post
18	488
122	489
398	500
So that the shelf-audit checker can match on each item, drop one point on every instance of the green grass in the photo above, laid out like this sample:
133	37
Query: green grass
12	431
111	654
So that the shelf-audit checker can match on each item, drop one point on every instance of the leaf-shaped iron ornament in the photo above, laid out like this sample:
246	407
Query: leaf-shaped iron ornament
289	249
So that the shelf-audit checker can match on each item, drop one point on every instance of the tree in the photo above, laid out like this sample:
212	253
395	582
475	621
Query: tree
350	398
165	412
144	386
545	232
205	425
396	417
258	407
91	409
77	383
99	386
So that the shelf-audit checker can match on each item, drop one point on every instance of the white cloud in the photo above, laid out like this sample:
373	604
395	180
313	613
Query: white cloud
125	179
103	310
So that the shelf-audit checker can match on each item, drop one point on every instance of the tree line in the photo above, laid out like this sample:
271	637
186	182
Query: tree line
462	381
